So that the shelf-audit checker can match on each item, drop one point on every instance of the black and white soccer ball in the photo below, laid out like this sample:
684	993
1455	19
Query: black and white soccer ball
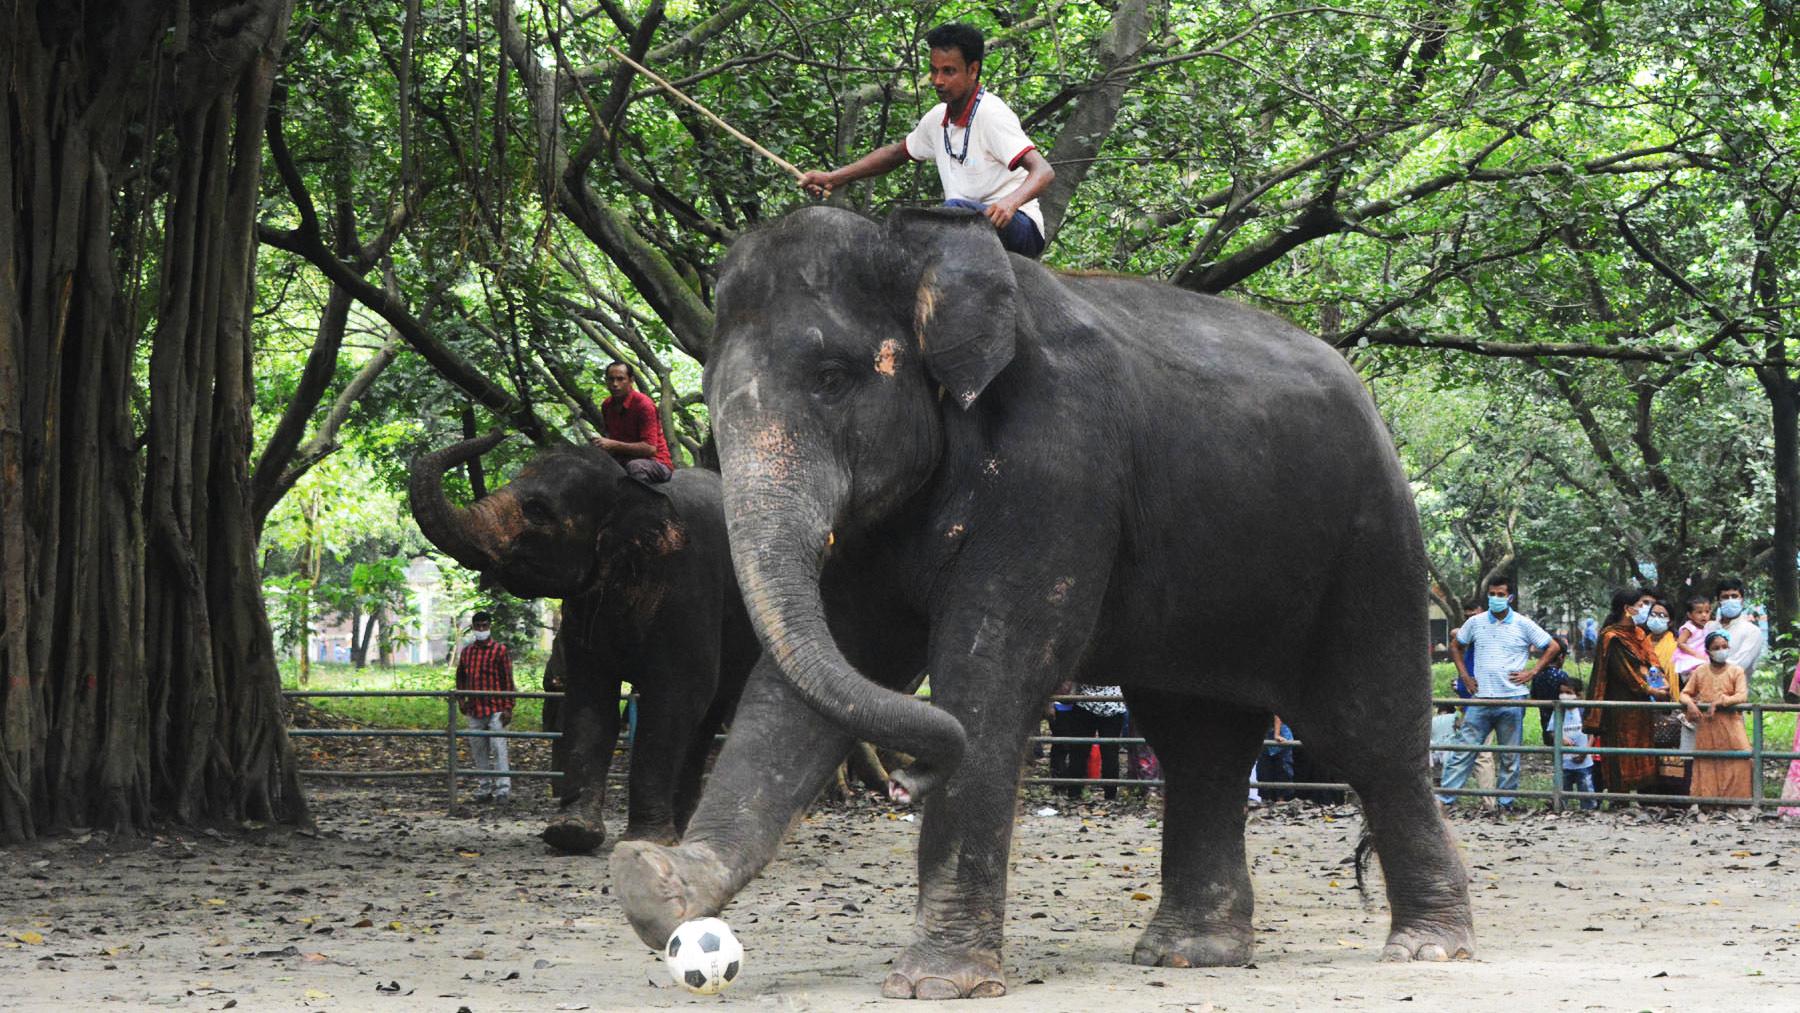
703	956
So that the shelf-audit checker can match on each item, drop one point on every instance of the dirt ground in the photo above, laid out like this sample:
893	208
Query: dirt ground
393	905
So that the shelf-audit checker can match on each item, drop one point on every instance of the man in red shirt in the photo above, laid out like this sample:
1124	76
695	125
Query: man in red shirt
486	667
634	433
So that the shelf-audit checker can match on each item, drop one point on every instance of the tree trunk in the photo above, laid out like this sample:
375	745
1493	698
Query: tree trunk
138	680
1784	580
1095	113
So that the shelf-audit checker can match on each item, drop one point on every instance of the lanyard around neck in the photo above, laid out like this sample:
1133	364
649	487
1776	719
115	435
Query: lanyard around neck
974	104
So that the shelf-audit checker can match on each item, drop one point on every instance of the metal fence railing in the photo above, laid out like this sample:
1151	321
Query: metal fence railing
1557	796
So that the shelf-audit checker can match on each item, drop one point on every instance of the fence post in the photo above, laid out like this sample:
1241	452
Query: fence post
450	737
1756	751
1556	754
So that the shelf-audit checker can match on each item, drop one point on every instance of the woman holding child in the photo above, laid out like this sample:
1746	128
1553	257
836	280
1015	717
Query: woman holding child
1625	664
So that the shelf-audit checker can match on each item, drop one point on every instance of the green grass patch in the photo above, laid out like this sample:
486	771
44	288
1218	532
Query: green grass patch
405	712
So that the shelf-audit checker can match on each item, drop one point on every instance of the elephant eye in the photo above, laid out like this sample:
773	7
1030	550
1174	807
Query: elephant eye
832	381
537	513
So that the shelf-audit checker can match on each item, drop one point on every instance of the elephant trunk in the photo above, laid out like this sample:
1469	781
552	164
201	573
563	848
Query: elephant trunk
780	529
450	528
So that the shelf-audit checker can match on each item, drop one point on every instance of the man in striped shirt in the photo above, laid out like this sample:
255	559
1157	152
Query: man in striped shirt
485	667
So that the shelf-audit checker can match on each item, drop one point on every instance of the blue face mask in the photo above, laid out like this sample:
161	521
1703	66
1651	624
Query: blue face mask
1657	624
1731	608
1497	603
1640	614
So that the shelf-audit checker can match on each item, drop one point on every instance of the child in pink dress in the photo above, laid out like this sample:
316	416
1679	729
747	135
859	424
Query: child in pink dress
1690	640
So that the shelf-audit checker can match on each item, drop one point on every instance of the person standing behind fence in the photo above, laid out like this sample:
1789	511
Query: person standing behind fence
1503	642
1716	684
1577	762
1623	661
1790	788
486	667
1464	686
1735	618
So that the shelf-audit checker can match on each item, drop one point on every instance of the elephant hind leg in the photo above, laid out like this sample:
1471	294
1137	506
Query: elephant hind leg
1206	751
1384	758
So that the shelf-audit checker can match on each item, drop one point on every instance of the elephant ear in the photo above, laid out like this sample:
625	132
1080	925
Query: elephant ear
965	310
640	524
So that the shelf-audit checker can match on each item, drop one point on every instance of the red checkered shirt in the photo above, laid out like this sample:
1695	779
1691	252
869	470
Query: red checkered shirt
485	667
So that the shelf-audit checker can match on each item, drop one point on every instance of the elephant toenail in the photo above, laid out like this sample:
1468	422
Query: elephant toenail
988	990
936	988
1177	960
896	986
1432	951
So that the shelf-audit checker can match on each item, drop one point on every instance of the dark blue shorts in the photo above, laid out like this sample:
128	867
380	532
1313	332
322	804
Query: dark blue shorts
1020	236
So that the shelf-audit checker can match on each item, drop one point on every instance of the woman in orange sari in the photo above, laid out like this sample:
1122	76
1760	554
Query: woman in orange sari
1623	662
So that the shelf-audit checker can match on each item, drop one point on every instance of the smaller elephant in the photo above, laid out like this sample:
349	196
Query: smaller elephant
648	597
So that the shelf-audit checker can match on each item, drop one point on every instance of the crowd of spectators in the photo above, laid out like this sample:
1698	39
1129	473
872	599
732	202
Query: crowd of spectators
1699	652
1640	652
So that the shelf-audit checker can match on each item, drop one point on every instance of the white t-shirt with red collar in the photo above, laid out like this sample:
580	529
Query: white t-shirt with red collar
979	155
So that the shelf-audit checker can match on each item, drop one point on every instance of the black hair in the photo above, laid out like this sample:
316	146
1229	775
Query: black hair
630	373
1728	584
966	39
1623	599
481	617
1501	578
1575	684
1721	634
1697	599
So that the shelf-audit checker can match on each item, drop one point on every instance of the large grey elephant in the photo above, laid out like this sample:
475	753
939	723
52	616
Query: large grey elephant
648	597
940	456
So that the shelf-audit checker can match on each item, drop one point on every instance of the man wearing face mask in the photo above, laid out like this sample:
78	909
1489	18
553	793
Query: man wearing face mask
486	667
1503	642
1747	639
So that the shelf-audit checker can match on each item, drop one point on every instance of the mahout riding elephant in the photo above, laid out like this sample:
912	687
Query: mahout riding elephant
648	597
941	457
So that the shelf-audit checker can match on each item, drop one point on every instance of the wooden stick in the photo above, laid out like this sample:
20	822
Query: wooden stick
708	113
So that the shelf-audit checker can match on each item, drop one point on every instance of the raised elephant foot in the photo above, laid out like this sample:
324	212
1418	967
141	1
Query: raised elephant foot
660	887
1427	941
923	972
1189	946
574	835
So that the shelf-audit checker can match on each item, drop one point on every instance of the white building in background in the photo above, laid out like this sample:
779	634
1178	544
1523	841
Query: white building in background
429	637
431	633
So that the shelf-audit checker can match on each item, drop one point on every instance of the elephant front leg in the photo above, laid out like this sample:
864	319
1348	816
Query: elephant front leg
779	754
994	673
590	732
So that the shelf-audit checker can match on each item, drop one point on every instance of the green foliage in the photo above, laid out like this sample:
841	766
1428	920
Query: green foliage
1593	176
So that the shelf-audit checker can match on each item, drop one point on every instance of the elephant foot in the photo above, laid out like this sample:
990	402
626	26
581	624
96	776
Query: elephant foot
574	835
660	887
663	833
924	972
1169	945
1425	940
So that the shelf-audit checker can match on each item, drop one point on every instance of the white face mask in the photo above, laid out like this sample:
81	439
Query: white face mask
1719	656
479	634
